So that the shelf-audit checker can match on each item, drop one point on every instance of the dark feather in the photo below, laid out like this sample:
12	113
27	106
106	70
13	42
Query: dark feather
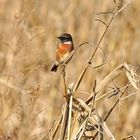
54	68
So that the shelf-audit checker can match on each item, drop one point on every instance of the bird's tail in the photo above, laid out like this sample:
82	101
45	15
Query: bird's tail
54	68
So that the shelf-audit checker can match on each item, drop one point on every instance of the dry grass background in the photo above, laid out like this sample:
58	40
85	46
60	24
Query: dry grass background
31	96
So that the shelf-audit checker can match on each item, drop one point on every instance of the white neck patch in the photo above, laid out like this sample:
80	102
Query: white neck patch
68	42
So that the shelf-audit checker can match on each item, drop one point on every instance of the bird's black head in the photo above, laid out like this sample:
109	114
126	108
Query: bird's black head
65	37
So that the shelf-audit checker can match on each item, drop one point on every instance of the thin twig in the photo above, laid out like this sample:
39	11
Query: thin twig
122	8
93	54
103	13
115	13
101	22
54	129
70	94
64	121
64	81
112	108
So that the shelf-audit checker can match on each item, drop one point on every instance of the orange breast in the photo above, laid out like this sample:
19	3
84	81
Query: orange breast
63	51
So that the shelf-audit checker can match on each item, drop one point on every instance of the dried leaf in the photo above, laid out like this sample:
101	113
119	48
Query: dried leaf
131	75
108	132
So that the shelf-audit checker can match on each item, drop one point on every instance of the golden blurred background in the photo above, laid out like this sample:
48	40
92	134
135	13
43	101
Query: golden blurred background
31	96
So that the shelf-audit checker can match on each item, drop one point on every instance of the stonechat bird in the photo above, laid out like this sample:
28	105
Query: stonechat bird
63	51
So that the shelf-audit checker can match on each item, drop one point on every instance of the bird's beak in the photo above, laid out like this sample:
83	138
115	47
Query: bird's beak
59	37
